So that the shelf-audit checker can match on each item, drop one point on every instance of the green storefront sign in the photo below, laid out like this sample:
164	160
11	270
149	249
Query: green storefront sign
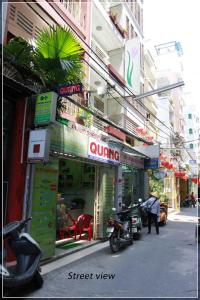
43	225
68	140
45	110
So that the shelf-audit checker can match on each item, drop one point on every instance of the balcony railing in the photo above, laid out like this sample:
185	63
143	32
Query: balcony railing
122	31
115	74
75	10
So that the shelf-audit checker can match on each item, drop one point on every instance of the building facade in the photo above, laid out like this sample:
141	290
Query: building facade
92	162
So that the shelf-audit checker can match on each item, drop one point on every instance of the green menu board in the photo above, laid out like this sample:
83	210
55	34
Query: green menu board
45	109
43	225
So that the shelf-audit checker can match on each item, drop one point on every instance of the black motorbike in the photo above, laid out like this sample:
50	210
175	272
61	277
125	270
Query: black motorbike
28	255
136	214
119	230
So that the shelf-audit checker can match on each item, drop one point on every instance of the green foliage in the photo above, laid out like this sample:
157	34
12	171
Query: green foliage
58	42
19	52
156	185
56	59
164	198
59	56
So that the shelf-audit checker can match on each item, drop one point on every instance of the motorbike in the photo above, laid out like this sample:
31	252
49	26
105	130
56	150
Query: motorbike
28	255
119	229
185	203
136	219
162	217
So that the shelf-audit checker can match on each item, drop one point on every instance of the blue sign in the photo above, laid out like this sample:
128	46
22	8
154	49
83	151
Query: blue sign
151	163
192	161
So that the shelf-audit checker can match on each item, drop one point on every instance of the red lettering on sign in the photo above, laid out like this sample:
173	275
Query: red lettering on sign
69	89
100	150
104	151
111	153
93	148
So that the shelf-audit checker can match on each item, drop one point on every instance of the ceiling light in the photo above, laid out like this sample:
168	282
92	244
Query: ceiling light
99	28
97	83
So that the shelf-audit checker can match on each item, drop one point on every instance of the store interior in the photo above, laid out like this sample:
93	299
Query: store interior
130	185
75	198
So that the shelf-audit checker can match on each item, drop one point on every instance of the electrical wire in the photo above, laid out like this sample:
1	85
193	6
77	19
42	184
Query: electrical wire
134	108
126	101
125	89
105	70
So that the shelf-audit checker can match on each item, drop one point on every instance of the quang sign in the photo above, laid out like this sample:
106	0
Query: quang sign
69	89
98	150
45	109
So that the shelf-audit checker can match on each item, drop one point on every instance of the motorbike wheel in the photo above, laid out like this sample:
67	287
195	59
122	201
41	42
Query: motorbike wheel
38	280
114	242
136	236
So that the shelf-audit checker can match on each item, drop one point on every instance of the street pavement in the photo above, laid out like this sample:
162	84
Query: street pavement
163	265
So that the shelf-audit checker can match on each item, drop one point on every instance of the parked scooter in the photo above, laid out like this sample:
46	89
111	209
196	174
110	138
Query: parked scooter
185	203
136	219
28	255
119	229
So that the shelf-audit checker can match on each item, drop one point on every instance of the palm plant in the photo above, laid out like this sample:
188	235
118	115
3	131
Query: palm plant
55	59
58	57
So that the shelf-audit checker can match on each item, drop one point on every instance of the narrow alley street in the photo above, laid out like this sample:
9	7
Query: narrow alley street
154	266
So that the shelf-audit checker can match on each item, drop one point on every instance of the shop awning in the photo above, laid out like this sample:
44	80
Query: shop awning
127	149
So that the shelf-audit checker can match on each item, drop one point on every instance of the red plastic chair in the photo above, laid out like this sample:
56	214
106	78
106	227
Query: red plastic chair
88	226
83	224
76	228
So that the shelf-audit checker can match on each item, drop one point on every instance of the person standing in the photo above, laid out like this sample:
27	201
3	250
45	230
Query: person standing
193	200
153	211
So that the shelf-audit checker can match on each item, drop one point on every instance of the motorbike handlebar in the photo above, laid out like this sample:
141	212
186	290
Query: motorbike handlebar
10	228
23	223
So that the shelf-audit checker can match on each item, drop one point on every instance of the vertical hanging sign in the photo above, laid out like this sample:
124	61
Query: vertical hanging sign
132	65
45	110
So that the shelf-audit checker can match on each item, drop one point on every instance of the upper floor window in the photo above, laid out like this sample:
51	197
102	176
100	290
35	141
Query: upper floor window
191	146
189	116
190	131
